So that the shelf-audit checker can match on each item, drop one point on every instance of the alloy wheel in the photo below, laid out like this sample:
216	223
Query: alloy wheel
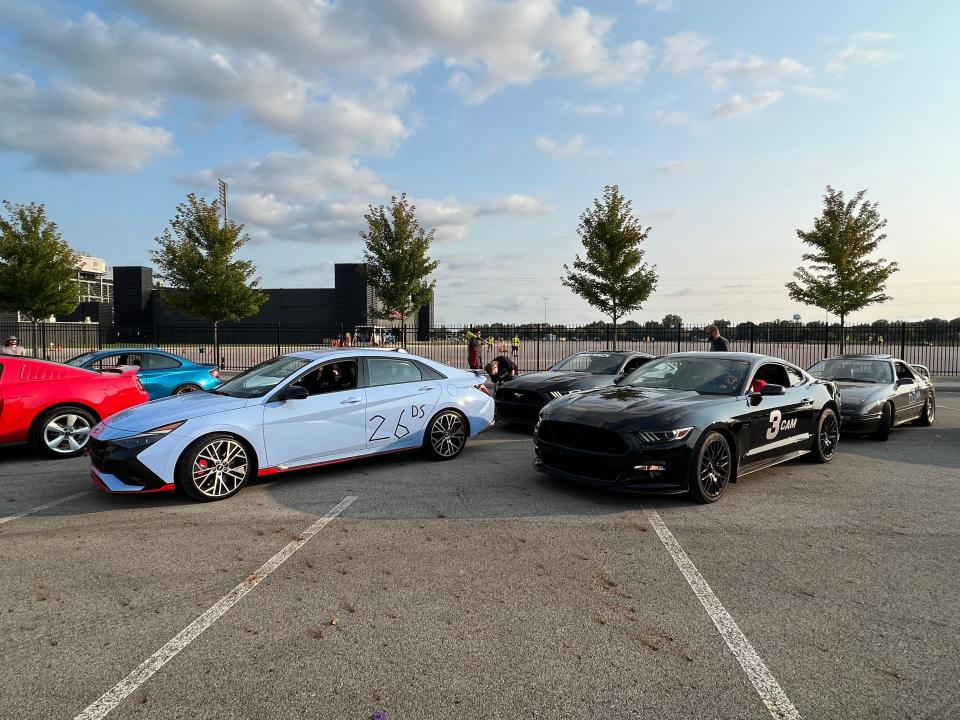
447	434
67	433
829	435
219	468
715	467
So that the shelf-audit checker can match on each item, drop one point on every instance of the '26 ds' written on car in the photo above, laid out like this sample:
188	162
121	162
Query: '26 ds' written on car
296	411
689	423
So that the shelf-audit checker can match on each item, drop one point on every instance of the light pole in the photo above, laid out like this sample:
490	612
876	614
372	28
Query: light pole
223	198
545	310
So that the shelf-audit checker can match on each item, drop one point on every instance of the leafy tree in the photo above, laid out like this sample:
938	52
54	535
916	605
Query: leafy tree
397	259
671	320
613	277
38	270
196	259
839	276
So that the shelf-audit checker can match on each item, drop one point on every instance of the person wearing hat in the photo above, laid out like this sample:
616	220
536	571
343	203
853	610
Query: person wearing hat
12	347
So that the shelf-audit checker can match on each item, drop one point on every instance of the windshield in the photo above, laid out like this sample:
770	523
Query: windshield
597	363
262	378
853	370
79	360
706	376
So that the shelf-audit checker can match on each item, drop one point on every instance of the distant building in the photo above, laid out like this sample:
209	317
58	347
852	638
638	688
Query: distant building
94	280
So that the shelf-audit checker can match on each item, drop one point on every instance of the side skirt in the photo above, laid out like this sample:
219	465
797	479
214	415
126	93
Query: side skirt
764	464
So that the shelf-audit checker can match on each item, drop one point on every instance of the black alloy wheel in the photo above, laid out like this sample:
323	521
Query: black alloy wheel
712	468
827	437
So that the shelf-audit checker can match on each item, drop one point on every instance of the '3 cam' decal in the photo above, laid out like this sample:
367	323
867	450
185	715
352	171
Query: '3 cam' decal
777	424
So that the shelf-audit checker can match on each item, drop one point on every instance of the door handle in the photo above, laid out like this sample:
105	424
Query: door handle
351	401
425	388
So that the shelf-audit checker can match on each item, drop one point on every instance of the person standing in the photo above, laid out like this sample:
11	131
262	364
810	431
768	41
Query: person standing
718	343
474	349
11	346
516	345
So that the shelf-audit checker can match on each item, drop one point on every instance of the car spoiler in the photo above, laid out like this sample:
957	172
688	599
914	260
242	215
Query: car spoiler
121	370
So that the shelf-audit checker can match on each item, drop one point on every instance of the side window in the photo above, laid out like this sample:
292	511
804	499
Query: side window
903	372
385	371
129	359
773	374
107	361
796	377
332	377
633	364
153	361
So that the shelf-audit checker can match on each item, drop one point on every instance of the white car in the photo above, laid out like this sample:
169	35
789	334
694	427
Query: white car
295	411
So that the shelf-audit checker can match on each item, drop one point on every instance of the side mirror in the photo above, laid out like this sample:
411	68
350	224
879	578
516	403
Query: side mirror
905	381
620	378
771	389
293	392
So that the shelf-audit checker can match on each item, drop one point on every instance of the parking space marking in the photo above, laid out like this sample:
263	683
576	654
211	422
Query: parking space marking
38	508
946	407
113	697
766	685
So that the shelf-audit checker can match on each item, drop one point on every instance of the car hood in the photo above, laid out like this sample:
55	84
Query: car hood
559	380
617	407
859	393
172	409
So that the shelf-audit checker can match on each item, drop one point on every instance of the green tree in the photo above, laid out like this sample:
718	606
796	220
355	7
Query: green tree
612	277
839	276
196	259
38	270
398	264
670	320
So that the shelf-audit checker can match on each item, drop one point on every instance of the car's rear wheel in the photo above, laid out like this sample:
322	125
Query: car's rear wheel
711	469
886	423
188	388
826	438
64	431
214	468
446	435
929	413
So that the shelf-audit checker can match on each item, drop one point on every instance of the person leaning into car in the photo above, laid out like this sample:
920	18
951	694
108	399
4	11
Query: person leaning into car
501	368
718	343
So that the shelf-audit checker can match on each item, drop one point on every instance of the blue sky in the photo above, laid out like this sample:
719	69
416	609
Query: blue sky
722	122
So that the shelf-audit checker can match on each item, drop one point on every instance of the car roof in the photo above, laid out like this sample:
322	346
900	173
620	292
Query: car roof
334	353
611	352
742	356
864	356
113	351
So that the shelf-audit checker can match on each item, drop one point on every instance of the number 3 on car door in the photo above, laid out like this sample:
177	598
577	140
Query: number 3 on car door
777	423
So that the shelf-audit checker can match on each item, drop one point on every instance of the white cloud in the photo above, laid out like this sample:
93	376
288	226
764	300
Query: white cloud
561	149
515	205
684	53
673	167
593	109
817	92
658	5
754	69
860	50
739	105
870	37
65	127
672	117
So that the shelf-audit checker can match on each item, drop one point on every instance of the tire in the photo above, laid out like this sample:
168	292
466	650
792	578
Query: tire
929	413
63	432
886	423
187	388
215	467
711	468
445	436
826	437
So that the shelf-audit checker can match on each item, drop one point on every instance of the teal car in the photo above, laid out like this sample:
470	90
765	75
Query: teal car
161	373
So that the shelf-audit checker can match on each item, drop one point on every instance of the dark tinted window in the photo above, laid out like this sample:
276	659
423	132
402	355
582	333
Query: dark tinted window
707	376
773	373
853	370
597	363
331	377
796	377
154	361
385	371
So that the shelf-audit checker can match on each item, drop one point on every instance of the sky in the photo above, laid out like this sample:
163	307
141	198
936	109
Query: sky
722	122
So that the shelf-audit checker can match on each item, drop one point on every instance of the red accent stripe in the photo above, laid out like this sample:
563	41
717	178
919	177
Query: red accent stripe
276	470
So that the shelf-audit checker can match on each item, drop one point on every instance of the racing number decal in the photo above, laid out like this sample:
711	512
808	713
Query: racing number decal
401	430
777	424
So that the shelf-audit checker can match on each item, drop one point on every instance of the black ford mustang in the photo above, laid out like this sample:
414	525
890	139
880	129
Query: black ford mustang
520	400
689	423
879	392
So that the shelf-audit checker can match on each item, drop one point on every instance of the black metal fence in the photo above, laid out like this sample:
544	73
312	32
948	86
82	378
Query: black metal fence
934	344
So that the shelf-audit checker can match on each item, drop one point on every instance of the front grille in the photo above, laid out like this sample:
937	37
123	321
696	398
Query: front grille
519	397
582	437
98	451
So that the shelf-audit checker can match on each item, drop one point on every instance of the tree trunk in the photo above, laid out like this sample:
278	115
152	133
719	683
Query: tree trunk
842	317
614	334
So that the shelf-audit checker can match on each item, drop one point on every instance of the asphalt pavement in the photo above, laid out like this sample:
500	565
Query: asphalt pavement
479	588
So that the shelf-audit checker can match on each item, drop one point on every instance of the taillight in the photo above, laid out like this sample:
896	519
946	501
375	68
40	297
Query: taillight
215	373
139	384
482	388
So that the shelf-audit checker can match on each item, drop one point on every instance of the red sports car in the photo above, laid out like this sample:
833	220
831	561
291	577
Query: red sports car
54	406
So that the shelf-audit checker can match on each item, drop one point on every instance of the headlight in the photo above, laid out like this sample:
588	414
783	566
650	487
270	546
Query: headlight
560	393
147	438
654	437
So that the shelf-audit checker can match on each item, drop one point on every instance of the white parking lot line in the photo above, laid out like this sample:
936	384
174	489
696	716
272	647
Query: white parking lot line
165	654
766	685
38	508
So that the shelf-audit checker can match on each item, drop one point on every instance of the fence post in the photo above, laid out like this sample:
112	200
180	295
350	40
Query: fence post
826	339
679	334
539	333
278	339
903	338
752	326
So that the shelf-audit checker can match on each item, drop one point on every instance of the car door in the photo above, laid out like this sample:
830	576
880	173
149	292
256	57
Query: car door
329	422
401	395
908	396
157	373
777	425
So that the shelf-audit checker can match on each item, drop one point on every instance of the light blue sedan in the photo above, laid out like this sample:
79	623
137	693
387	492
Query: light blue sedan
296	411
161	373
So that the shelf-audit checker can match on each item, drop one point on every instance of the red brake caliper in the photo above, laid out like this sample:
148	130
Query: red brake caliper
203	464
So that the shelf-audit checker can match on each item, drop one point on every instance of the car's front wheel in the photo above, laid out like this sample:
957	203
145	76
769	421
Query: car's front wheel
929	413
214	468
64	431
826	438
446	435
886	423
711	468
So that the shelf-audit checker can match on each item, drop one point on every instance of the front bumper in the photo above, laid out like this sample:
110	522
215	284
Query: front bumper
654	470
857	423
117	469
518	413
